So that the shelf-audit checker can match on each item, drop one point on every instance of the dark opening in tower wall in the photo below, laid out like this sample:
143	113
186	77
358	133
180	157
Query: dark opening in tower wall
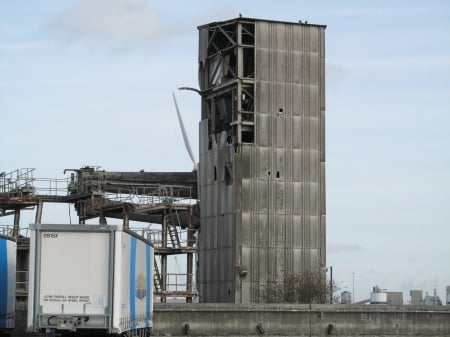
247	136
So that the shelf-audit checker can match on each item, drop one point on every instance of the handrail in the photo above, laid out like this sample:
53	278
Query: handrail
21	183
157	239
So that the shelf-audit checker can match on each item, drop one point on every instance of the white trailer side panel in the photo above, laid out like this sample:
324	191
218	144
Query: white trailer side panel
133	294
8	249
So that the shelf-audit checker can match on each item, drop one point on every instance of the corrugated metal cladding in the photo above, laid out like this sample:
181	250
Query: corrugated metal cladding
262	175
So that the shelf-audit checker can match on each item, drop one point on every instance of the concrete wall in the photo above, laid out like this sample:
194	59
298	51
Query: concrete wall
299	320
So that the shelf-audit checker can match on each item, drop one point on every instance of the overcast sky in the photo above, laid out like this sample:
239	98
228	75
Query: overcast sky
89	82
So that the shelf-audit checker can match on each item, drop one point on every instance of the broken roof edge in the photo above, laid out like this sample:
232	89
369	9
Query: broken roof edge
219	23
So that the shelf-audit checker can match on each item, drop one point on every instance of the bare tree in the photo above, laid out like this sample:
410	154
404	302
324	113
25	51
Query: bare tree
309	286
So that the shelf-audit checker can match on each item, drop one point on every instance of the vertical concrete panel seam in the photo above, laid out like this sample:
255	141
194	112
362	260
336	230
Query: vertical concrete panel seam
290	197
288	140
302	114
255	228
322	157
272	76
255	262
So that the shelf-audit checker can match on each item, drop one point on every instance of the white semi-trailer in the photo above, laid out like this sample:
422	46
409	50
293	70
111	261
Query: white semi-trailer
8	251
89	278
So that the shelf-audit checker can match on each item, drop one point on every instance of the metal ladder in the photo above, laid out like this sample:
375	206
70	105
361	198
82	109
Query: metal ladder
172	231
157	277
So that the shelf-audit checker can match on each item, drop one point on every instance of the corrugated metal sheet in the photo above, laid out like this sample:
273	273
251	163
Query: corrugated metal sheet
271	219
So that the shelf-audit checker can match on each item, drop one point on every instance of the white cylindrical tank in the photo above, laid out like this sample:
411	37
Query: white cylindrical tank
378	298
448	295
346	297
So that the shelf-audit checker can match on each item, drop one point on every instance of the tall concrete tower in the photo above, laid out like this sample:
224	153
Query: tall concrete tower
262	155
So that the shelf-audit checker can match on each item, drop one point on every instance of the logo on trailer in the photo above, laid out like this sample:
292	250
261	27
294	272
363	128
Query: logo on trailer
141	289
50	235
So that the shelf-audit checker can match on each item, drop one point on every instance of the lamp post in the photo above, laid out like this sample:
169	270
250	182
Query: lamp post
331	283
353	290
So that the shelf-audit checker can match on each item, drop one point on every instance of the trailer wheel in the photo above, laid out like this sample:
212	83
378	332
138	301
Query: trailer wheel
144	332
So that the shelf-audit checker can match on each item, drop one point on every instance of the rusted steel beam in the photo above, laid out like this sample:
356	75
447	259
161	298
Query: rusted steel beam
174	251
182	184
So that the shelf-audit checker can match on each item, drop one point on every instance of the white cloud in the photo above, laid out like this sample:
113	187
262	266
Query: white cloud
335	73
389	10
336	248
118	24
21	46
415	63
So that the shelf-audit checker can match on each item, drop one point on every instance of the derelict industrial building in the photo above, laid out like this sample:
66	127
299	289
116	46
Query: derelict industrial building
262	155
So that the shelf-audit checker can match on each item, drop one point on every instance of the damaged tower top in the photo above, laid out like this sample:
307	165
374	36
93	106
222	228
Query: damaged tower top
262	155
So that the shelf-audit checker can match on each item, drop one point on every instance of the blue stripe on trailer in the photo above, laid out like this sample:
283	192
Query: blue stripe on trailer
133	283
3	282
149	289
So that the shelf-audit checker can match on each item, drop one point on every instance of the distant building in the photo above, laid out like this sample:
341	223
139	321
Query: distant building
416	297
346	297
381	296
432	299
448	295
378	296
394	298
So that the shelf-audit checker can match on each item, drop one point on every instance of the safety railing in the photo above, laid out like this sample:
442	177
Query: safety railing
51	187
7	230
21	183
156	236
22	282
17	182
179	283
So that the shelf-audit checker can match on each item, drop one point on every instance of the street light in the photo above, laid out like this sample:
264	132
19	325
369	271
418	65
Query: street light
353	298
331	283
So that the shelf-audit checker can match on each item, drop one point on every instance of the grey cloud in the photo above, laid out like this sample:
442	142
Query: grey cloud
421	283
336	248
335	73
107	23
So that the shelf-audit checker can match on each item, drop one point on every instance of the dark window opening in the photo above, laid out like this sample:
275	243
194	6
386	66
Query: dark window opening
215	173
229	139
247	117
209	142
228	179
247	137
278	174
223	113
221	37
249	62
248	99
221	67
248	33
209	132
